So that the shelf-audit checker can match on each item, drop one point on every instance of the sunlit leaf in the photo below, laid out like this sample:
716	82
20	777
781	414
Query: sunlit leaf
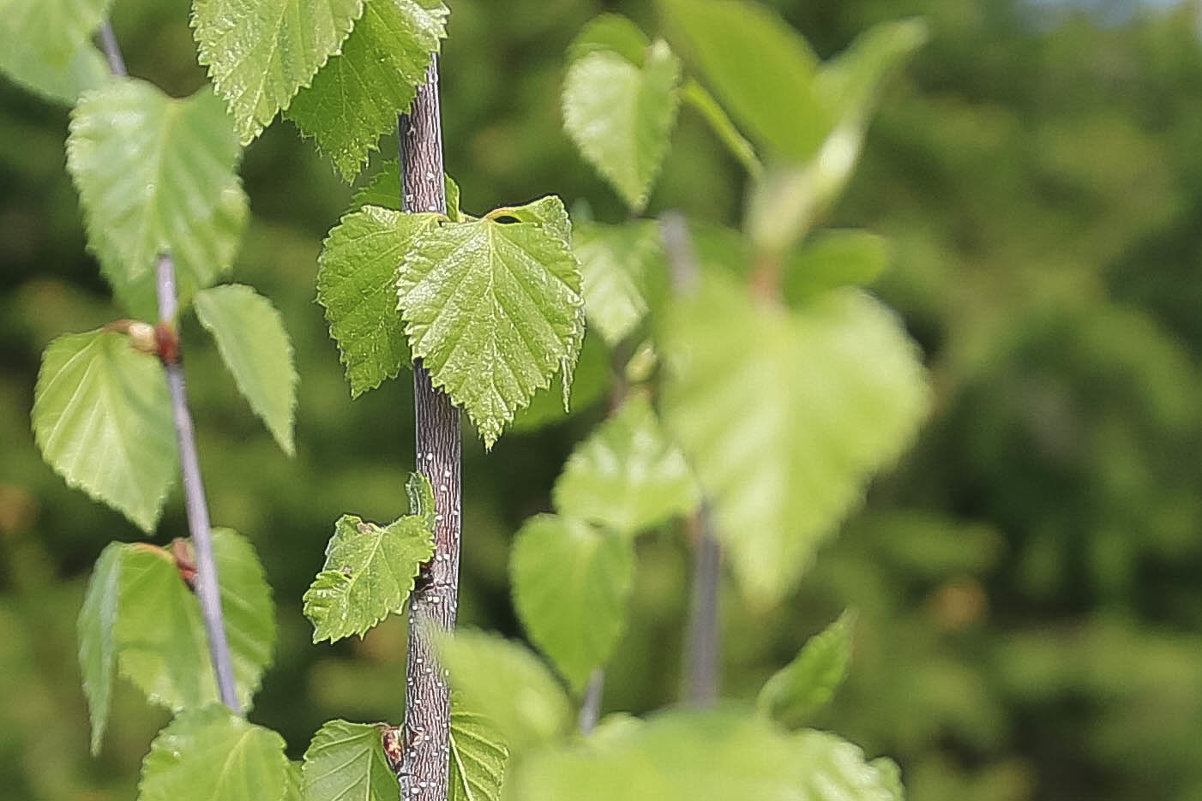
261	52
346	762
251	339
45	45
356	283
564	572
478	756
493	310
621	265
835	770
97	649
102	419
786	415
156	175
810	680
212	753
358	94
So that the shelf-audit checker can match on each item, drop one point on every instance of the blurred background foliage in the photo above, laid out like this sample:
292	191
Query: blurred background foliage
1030	615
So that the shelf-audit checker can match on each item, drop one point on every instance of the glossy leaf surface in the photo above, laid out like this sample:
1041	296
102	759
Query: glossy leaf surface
346	762
478	756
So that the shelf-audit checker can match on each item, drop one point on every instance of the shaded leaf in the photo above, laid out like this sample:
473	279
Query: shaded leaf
831	259
45	45
356	284
621	265
810	680
255	347
384	189
102	419
358	94
261	52
97	649
611	33
565	572
346	761
156	175
478	756
590	383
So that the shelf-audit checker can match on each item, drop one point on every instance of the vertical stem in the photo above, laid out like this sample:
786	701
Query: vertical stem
207	586
703	641
590	710
426	737
112	51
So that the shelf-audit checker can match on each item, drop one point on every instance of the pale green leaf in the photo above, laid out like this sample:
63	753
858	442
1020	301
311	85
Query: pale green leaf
294	783
478	756
493	310
102	419
356	284
212	753
852	82
627	475
507	684
762	70
835	770
97	649
384	189
621	265
346	762
156	175
160	634
704	103
621	115
565	572
255	347
611	33
368	574
358	94
835	258
810	680
785	416
261	52
45	45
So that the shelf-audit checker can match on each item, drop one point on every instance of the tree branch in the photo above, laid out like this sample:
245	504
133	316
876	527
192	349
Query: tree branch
427	726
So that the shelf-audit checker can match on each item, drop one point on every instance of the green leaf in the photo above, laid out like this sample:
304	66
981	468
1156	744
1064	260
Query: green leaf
494	310
627	475
611	33
102	419
384	189
508	685
852	82
715	116
762	70
565	572
810	680
358	94
785	416
356	284
832	259
212	753
421	500
160	635
621	265
835	770
294	783
255	347
346	761
156	175
261	52
368	574
591	381
478	756
621	116
97	649
45	45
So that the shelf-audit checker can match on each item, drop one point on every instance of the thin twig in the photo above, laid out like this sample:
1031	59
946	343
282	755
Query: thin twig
208	590
703	640
112	51
423	769
590	709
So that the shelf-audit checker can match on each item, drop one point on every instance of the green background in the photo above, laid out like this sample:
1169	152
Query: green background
1030	615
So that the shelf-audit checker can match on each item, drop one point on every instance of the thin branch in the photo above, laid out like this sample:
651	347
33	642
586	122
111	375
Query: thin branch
207	587
590	710
423	769
112	51
703	641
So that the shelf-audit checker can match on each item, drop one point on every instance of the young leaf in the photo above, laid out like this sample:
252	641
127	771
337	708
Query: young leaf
102	419
507	684
835	768
347	761
611	33
493	310
810	680
832	259
852	82
45	45
620	264
384	189
156	175
627	475
356	284
368	574
563	572
621	116
160	635
97	650
591	381
478	756
786	416
255	347
260	52
760	68
212	753
357	95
